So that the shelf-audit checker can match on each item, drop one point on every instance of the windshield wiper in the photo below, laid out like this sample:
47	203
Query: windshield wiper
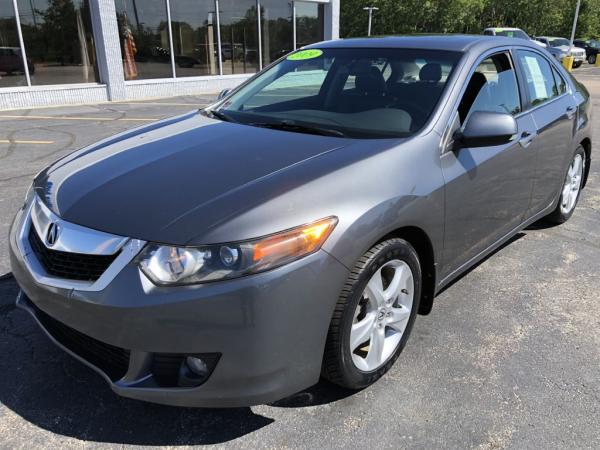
289	125
218	114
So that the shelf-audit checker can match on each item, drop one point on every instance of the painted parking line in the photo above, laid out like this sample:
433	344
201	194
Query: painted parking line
92	119
17	141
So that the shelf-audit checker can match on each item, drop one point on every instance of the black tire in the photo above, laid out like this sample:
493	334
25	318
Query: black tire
557	216
592	59
338	366
577	64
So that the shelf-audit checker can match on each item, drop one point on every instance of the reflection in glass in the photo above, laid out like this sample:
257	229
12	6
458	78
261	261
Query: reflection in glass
59	41
277	30
310	23
11	60
144	34
194	25
239	36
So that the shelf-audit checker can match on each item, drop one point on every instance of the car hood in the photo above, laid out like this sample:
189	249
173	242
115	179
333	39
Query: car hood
151	182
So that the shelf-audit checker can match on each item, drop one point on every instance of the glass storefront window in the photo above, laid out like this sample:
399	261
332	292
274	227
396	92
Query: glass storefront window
146	40
277	30
58	41
310	21
239	36
144	35
12	71
194	25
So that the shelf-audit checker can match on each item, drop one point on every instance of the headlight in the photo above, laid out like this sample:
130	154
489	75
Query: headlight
168	265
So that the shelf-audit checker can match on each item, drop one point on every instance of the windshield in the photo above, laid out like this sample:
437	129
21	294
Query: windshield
512	33
560	42
351	92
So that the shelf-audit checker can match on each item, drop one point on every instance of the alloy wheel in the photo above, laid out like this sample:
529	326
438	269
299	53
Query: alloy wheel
572	186
382	315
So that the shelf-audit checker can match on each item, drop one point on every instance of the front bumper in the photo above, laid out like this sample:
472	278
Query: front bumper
269	330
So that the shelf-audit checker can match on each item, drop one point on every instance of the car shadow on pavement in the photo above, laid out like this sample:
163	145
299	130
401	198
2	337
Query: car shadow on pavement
53	391
321	393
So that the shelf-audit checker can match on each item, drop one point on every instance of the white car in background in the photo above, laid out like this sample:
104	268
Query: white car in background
511	32
561	47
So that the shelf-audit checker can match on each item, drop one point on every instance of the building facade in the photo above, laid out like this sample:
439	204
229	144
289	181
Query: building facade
82	51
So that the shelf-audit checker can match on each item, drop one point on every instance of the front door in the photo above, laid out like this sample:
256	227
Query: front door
488	189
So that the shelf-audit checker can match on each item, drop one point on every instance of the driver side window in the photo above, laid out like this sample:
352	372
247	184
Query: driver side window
493	87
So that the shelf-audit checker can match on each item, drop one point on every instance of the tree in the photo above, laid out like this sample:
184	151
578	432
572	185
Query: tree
537	17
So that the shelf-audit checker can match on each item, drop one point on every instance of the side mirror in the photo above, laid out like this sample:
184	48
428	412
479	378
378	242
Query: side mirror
223	94
486	129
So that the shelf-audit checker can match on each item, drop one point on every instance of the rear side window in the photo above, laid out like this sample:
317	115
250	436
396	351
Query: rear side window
561	84
493	87
539	80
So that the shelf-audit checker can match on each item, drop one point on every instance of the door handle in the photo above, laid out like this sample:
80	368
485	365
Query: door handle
571	110
526	139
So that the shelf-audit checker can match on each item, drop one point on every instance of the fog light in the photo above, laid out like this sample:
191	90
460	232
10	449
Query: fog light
197	366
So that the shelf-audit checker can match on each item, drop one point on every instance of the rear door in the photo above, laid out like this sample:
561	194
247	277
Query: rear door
487	188
554	111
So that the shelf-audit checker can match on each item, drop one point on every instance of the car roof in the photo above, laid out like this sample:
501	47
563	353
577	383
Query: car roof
449	42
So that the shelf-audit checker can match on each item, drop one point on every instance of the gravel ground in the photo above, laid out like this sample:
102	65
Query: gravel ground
508	358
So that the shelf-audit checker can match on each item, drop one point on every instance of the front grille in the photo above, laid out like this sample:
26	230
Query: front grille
113	361
72	266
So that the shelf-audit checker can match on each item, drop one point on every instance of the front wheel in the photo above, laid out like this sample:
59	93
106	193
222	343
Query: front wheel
374	315
592	59
571	189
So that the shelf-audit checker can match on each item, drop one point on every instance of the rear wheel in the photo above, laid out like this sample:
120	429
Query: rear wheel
577	64
374	315
571	189
592	59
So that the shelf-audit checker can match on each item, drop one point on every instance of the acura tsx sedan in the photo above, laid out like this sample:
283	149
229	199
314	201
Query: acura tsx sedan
295	228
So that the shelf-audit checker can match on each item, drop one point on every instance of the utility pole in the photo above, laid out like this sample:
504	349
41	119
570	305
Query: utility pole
371	9
574	26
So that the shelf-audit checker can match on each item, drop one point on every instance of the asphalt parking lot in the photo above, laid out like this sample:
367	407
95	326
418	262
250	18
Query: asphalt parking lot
509	357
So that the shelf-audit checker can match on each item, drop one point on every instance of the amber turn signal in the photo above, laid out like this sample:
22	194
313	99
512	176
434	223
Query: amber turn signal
293	244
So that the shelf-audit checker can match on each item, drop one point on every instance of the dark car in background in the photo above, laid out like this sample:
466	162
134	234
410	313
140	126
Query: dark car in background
234	255
591	47
11	61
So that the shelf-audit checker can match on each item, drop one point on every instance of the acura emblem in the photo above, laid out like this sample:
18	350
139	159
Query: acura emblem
52	234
